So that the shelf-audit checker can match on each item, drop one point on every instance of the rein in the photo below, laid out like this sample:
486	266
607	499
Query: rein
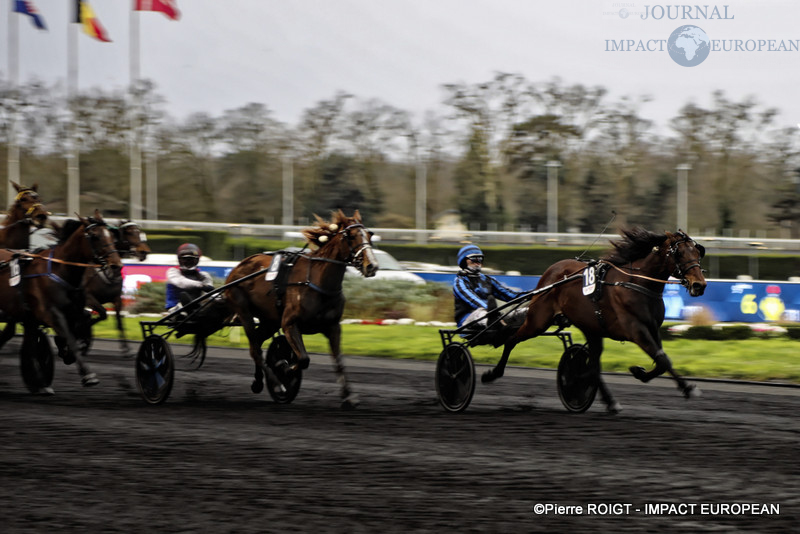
659	280
55	260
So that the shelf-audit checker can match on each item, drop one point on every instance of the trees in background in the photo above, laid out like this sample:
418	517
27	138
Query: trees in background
484	153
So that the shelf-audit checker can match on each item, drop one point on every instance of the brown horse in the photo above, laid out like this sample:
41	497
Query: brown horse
48	291
130	242
25	214
309	300
625	305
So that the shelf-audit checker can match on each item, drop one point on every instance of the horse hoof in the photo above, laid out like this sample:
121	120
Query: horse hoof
67	357
638	372
692	392
614	408
46	391
488	376
303	363
90	380
257	386
350	403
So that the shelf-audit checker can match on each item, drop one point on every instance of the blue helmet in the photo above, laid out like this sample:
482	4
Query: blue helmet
467	250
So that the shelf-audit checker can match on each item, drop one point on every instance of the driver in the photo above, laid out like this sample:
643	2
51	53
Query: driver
186	282
475	292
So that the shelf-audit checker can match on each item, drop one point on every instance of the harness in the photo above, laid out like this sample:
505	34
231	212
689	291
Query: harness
288	259
600	270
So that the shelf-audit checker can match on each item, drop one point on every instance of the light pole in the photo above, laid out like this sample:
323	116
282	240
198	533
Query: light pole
287	215
552	195
421	200
683	196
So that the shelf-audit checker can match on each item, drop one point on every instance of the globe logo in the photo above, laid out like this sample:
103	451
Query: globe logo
623	13
688	46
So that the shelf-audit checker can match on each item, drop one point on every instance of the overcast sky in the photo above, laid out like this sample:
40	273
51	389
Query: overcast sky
290	54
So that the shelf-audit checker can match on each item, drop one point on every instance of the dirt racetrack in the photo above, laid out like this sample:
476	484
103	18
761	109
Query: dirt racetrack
217	458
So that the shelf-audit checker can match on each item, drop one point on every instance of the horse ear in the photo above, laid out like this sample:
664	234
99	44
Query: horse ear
82	219
16	185
98	215
35	186
357	215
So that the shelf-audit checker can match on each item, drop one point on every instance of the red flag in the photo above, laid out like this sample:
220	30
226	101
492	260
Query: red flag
91	26
167	7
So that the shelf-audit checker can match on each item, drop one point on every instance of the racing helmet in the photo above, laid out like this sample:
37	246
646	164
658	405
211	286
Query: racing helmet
466	252
189	256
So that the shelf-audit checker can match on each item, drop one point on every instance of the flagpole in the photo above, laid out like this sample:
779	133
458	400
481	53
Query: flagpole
13	73
135	152
73	177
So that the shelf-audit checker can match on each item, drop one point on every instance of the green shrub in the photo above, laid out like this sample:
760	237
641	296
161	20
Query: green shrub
793	331
395	299
738	331
150	298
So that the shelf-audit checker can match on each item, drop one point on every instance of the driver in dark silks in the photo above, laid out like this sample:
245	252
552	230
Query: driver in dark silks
186	282
475	295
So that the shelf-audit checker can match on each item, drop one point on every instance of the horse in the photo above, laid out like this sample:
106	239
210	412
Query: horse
626	304
25	214
129	241
309	300
48	291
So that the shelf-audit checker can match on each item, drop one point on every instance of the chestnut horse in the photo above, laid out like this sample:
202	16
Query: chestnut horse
130	241
48	291
312	300
25	214
626	304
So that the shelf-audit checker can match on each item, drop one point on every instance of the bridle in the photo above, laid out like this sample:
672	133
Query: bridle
105	249
124	246
356	256
681	269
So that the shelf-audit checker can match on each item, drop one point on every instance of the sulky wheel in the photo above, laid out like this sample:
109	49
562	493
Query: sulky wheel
37	363
283	383
455	377
578	378
155	369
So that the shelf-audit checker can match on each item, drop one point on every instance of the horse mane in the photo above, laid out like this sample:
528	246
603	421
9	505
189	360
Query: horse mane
636	243
324	231
69	227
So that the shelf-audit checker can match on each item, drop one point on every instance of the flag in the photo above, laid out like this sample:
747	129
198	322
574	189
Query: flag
167	7
91	26
27	8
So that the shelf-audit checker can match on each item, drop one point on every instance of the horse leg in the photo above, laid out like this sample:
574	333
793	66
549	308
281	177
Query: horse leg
499	370
349	399
595	350
664	365
536	323
255	338
126	351
61	327
8	333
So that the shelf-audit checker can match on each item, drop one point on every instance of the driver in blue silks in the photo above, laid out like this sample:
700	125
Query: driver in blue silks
475	292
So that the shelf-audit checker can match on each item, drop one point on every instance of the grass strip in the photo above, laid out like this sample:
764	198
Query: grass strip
775	359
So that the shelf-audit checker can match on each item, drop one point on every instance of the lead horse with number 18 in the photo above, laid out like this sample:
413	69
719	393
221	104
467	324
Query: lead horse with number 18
626	305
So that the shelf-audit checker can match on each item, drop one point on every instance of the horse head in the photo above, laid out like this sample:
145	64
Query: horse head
102	244
132	240
27	206
345	239
686	255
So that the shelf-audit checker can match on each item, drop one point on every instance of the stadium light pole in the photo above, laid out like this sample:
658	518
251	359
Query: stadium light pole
683	196
552	195
287	215
422	201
